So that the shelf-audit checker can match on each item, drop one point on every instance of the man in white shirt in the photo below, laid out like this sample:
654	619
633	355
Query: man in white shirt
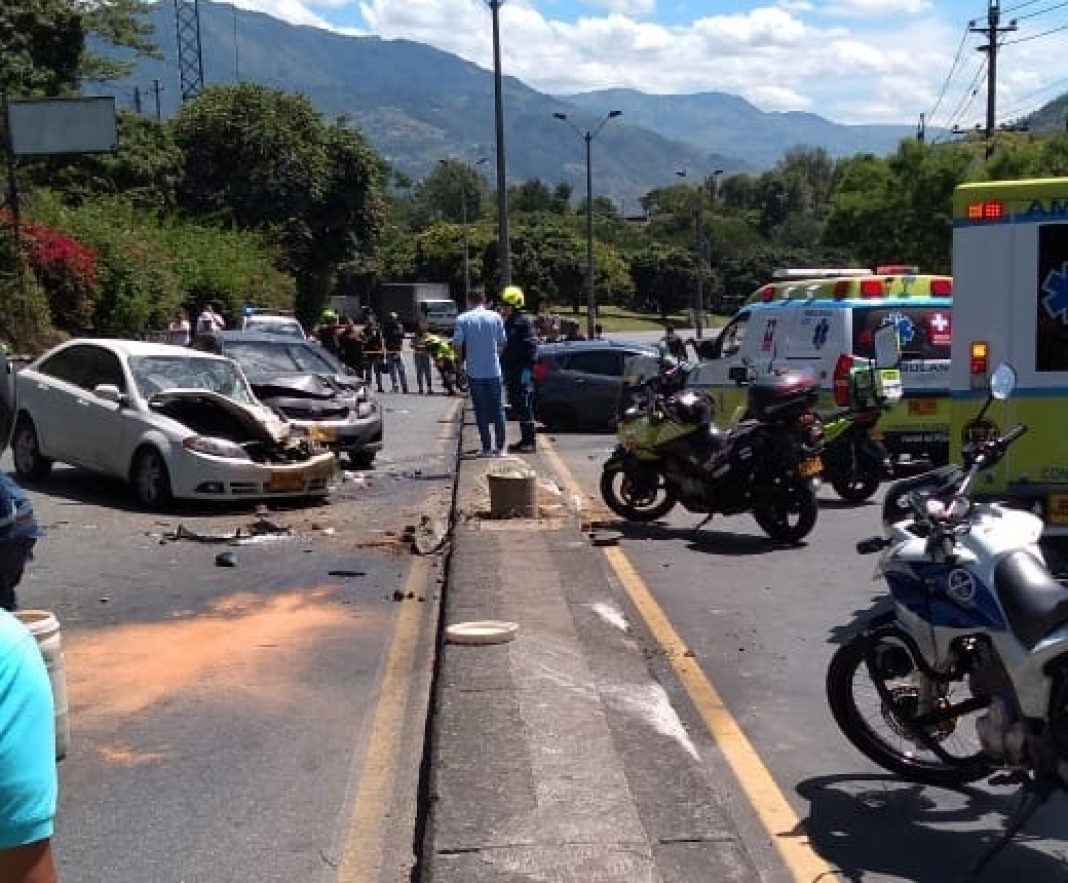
210	318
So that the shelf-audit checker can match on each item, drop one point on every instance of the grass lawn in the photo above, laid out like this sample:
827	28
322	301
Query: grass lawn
618	319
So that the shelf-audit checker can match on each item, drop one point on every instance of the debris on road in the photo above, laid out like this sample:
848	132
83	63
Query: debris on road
259	531
226	559
346	573
481	632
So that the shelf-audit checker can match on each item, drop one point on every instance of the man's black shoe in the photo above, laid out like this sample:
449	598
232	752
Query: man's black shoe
523	447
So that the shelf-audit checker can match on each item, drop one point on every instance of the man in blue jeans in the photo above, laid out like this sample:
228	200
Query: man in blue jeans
480	334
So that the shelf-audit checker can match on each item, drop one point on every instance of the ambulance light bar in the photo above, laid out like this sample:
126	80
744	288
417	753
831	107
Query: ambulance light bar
788	273
897	270
989	210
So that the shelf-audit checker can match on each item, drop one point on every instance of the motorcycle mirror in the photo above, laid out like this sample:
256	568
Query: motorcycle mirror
887	347
7	400
1003	381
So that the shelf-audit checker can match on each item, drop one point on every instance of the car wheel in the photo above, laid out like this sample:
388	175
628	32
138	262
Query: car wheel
362	459
150	480
30	464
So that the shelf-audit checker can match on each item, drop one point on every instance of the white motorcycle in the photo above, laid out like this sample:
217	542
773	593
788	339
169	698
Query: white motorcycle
968	674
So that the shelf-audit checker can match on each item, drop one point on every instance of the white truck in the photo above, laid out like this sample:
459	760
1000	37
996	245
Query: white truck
413	301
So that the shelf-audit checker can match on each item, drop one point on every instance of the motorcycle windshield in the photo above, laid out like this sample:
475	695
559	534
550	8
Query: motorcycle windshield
638	370
7	401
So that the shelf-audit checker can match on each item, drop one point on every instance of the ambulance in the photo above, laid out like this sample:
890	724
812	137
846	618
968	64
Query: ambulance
826	319
1010	266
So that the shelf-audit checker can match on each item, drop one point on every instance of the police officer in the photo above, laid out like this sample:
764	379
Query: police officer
517	363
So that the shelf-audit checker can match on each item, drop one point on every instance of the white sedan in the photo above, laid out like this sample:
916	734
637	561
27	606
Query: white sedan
171	421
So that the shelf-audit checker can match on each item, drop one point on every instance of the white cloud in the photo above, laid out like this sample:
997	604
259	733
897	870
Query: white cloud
625	7
784	55
870	8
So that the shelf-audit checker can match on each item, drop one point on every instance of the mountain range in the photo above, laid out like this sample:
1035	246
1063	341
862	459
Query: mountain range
416	105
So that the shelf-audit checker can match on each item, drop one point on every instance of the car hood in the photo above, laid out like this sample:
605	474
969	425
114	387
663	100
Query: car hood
314	386
201	408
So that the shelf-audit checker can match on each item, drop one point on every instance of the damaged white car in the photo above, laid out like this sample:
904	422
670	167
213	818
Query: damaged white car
175	423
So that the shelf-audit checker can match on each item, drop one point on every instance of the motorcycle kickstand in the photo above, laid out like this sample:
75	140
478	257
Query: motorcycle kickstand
704	521
1036	793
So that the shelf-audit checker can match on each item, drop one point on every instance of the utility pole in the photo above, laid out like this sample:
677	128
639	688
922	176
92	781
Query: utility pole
157	88
921	129
504	254
992	31
137	100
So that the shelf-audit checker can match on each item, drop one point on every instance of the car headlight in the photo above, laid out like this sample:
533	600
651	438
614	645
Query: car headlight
216	447
364	409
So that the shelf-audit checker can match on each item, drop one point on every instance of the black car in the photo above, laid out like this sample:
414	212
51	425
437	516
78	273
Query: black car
308	386
577	384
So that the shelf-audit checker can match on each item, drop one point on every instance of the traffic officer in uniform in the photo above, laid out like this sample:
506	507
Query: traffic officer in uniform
517	364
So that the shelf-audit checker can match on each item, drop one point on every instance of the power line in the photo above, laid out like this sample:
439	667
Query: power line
1035	36
1021	6
1042	11
1024	100
949	76
969	95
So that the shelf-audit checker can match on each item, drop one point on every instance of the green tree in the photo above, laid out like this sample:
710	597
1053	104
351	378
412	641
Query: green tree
43	43
264	159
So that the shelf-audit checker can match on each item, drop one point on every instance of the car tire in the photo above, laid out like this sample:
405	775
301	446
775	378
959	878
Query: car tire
150	480
362	459
30	464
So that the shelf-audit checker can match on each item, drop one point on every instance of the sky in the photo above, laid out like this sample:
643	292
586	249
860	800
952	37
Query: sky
852	61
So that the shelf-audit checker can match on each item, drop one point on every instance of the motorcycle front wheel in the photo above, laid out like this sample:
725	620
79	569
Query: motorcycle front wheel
637	494
878	728
786	512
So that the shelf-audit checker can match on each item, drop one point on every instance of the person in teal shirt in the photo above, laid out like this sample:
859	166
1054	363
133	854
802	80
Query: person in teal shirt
28	783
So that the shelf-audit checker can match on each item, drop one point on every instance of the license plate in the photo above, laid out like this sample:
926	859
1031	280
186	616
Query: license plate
1057	508
322	433
286	481
923	407
808	468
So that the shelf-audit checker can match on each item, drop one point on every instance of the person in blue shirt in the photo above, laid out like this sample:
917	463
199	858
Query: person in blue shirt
28	784
480	334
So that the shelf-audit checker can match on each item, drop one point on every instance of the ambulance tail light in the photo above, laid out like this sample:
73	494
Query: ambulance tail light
941	288
842	369
989	210
870	288
842	289
980	357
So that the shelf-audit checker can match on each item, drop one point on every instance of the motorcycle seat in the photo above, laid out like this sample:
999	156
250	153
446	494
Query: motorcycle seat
1035	603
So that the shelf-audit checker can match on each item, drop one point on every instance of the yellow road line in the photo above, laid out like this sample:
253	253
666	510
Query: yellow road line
361	858
767	800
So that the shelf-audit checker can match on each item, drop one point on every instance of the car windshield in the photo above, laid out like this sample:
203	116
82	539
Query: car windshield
261	358
154	374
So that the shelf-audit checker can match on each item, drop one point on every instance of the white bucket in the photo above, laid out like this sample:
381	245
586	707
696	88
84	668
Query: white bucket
45	628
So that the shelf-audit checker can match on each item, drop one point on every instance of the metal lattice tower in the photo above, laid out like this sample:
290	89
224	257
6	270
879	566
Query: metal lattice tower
190	57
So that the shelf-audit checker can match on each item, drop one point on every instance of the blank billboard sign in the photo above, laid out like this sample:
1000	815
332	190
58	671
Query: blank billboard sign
52	126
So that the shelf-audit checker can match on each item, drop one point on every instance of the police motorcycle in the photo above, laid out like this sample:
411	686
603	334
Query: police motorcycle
19	531
670	451
968	674
855	459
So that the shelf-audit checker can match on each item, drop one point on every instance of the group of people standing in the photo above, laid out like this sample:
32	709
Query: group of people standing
375	350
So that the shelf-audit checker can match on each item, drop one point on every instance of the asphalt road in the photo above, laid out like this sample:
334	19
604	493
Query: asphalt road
221	716
763	623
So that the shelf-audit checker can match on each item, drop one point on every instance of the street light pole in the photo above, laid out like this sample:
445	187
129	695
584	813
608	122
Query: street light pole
463	223
588	136
504	255
699	248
